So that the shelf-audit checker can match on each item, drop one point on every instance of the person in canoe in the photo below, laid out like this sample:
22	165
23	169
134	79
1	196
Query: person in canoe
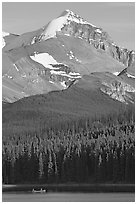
39	191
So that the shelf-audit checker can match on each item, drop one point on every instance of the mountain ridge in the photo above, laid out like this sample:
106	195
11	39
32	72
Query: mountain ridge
54	56
70	16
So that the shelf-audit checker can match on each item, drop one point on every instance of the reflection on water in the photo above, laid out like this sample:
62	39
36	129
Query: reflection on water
68	197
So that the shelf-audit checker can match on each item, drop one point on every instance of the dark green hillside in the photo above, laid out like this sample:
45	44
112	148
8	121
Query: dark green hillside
44	111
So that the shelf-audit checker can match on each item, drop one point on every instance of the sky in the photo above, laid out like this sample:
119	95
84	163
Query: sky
117	18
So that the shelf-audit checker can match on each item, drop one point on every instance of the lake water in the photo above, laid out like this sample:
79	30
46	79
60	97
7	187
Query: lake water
68	197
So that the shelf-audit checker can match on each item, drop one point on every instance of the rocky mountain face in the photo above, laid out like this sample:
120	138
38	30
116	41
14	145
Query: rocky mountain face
119	91
58	55
98	38
74	25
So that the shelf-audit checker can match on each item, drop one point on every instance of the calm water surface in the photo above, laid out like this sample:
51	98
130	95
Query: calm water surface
68	197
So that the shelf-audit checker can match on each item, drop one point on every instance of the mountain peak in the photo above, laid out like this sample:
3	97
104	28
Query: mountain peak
66	12
71	16
57	24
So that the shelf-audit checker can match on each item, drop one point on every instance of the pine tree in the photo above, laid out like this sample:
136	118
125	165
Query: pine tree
41	171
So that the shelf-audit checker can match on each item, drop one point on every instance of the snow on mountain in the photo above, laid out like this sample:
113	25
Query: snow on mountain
130	76
8	38
63	73
58	54
57	24
3	42
45	59
116	73
3	35
71	56
63	83
54	26
98	30
71	16
71	24
49	62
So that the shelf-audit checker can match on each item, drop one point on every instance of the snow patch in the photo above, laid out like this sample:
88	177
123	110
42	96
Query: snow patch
5	34
66	34
62	73
116	73
63	83
3	41
74	73
77	60
33	40
45	59
16	67
24	75
8	76
76	18
51	82
72	56
130	76
113	44
57	72
98	30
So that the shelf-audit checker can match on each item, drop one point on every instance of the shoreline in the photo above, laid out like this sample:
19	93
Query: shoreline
106	188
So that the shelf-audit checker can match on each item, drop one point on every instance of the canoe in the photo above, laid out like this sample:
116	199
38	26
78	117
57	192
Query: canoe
39	191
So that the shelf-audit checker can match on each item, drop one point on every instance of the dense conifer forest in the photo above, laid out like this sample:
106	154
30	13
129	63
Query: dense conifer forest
88	150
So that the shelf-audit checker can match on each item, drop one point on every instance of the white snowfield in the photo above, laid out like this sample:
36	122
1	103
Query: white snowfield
54	26
45	59
3	35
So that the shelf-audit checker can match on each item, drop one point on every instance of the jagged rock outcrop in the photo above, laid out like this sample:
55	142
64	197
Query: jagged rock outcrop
100	39
118	90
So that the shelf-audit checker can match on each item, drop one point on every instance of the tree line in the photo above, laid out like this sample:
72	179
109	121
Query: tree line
99	152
